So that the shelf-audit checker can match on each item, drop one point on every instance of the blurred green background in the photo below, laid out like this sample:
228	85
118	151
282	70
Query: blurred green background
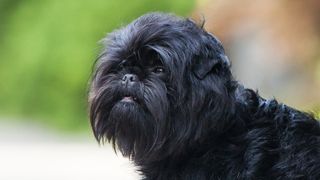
47	48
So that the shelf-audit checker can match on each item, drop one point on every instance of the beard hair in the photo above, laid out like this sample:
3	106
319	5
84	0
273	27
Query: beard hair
130	128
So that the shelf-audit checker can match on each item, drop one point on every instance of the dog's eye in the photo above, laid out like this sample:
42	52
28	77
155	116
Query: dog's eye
158	70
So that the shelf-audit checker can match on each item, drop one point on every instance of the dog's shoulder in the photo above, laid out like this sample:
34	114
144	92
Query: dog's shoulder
287	119
292	136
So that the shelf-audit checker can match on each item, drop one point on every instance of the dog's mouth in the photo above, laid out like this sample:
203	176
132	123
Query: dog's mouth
128	98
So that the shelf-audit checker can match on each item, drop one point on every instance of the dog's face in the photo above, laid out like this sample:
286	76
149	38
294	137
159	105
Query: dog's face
161	84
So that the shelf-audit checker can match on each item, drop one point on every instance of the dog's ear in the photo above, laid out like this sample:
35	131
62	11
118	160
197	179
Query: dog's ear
205	66
211	58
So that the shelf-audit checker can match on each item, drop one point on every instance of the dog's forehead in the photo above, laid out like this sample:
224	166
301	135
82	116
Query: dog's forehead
177	41
144	34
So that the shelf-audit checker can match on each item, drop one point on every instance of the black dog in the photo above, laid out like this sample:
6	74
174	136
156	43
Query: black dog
163	94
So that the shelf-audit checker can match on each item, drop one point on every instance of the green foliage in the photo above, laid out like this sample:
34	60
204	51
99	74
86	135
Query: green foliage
318	115
47	48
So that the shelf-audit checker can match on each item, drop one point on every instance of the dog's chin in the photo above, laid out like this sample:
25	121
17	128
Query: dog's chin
126	109
132	125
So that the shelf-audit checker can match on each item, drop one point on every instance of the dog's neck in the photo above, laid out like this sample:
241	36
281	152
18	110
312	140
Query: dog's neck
247	102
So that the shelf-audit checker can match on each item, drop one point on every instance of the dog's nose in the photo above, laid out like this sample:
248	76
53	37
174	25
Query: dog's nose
129	79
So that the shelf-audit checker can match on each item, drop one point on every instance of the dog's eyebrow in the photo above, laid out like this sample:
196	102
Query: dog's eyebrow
137	54
160	56
131	55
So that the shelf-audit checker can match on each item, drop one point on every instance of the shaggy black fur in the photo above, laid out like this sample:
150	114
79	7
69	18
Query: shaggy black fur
163	94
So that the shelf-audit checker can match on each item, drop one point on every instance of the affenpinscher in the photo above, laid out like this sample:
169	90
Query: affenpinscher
163	94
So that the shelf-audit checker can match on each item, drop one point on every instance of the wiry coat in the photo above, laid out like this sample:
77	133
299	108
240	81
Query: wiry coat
193	121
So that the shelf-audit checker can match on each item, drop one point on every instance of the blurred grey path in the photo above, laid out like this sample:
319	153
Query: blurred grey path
31	152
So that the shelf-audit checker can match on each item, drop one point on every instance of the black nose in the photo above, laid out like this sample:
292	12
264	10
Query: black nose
129	79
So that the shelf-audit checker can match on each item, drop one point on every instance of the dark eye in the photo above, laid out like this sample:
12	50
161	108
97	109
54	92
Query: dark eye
158	70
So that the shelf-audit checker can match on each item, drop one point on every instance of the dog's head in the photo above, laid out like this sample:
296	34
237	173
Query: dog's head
161	83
